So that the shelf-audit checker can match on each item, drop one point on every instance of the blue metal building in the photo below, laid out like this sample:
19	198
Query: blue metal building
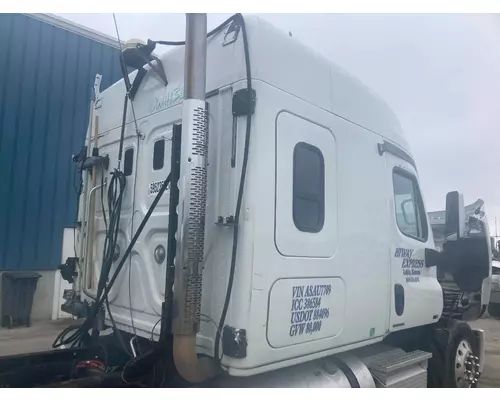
47	69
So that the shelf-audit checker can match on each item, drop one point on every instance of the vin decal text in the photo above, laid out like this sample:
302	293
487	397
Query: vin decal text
411	266
306	312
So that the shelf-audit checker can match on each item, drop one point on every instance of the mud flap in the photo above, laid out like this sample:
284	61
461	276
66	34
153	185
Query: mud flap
481	339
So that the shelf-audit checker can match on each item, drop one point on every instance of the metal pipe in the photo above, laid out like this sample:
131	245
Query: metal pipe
195	57
91	218
192	206
79	282
91	192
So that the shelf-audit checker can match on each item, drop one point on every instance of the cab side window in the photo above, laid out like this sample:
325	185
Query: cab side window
158	154
128	162
308	188
410	213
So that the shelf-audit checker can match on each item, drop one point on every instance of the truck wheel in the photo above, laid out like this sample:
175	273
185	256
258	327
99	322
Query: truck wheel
494	310
454	362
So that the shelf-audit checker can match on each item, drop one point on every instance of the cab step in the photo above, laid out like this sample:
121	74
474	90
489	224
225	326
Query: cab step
394	368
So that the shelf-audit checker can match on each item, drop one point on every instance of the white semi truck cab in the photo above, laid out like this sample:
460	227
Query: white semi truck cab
255	212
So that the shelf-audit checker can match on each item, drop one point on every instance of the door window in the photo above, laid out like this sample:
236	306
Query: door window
410	213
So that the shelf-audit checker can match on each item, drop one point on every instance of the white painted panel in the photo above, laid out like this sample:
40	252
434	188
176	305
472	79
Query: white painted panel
303	310
291	130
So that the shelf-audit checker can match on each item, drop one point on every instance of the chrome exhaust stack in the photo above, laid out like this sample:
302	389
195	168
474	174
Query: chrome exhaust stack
192	207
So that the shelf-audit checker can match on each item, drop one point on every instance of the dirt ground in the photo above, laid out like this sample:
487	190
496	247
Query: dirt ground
41	335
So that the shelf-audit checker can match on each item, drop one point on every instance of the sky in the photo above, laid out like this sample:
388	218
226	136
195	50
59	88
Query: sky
440	73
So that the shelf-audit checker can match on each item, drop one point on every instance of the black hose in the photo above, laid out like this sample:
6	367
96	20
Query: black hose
122	132
240	190
116	189
209	34
107	287
87	324
115	329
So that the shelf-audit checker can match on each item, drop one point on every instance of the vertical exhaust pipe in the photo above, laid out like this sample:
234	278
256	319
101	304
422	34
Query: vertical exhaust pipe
192	206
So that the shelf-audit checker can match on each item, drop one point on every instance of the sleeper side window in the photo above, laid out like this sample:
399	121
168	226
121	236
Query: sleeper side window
159	154
410	213
308	188
128	162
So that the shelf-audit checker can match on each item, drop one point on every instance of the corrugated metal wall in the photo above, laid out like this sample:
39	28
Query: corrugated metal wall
46	76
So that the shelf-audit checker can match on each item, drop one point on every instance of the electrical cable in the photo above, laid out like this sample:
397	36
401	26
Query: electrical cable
116	331
130	258
102	296
115	196
209	319
124	72
209	34
87	324
240	191
153	330
122	137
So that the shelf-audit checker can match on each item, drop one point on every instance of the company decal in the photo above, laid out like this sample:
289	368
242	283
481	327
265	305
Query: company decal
154	187
167	100
306	313
411	266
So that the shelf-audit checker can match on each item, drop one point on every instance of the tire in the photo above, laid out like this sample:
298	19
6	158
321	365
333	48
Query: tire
452	345
494	310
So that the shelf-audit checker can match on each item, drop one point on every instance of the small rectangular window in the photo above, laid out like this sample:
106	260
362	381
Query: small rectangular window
410	213
128	162
158	154
308	188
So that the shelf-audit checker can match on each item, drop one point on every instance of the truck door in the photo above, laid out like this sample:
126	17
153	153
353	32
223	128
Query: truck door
416	295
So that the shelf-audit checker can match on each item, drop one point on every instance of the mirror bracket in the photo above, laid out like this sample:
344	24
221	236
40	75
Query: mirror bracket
432	258
455	216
